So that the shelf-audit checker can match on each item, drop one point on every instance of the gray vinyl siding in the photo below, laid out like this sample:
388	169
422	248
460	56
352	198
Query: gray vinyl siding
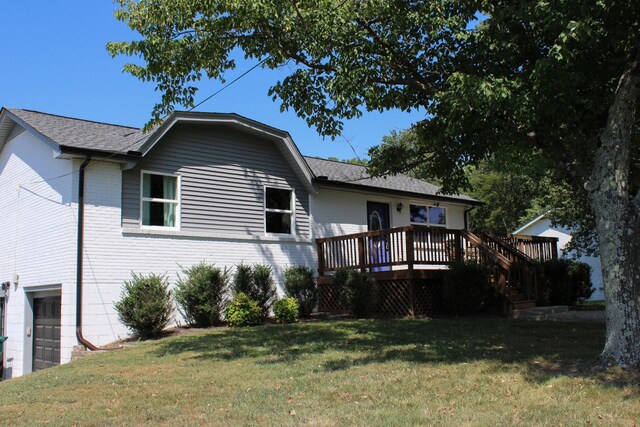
223	173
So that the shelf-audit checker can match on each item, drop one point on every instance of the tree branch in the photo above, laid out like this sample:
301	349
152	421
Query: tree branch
403	65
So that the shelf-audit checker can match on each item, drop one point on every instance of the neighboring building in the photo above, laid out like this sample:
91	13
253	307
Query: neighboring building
541	226
215	187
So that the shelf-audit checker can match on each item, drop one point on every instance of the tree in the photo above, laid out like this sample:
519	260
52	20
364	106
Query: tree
556	79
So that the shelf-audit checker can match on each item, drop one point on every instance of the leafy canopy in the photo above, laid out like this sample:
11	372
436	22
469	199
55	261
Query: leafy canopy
532	75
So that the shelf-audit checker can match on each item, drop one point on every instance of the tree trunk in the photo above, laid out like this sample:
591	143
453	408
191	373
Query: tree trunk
617	224
620	257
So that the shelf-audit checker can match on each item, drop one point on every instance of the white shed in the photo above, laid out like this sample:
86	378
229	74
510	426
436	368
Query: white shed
541	226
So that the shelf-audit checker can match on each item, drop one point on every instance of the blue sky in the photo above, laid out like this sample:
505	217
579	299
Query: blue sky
54	60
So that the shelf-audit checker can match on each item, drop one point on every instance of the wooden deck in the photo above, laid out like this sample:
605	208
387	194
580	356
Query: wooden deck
415	258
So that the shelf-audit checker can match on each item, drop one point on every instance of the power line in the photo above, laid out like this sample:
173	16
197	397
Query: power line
143	137
230	83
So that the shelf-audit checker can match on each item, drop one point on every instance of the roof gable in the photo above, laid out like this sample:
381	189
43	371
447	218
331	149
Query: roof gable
78	137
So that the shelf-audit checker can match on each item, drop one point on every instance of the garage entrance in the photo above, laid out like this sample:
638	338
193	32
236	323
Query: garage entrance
46	332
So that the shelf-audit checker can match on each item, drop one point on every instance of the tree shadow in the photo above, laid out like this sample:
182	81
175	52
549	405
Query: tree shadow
544	350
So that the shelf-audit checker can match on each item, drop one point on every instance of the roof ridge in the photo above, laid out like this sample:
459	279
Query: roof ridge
342	162
75	118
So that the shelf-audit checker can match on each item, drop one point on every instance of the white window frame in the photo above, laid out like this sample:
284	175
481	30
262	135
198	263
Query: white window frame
428	206
291	211
177	201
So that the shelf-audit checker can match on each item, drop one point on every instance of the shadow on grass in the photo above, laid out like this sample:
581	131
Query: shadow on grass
543	349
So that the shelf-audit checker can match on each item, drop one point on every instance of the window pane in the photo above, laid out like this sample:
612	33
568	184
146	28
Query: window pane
159	214
159	186
437	216
418	214
278	222
278	199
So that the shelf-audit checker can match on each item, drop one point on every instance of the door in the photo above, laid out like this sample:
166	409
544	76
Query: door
46	332
378	219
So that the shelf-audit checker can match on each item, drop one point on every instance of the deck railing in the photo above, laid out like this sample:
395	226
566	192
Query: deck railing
412	247
537	248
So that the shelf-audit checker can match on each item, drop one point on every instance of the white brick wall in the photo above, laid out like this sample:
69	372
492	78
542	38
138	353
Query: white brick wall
37	239
111	254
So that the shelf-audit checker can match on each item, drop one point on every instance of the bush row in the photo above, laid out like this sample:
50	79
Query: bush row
467	289
146	303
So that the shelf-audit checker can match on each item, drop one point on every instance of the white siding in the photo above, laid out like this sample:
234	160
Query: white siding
37	242
337	211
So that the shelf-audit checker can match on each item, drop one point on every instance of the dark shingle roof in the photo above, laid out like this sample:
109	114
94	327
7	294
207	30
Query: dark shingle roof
82	134
349	174
96	136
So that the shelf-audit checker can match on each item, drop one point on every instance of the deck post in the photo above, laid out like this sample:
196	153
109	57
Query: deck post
458	246
321	265
361	257
410	251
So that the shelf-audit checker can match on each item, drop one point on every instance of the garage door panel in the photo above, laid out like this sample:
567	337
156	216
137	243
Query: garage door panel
46	339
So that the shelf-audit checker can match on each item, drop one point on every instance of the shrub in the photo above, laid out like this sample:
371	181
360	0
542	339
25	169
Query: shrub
242	280
300	283
257	283
355	290
242	311
286	310
201	294
265	288
145	305
340	291
564	282
466	289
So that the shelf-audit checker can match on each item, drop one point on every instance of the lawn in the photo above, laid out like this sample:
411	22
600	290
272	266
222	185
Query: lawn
389	372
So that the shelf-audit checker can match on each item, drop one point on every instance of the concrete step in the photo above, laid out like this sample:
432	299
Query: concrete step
523	304
539	313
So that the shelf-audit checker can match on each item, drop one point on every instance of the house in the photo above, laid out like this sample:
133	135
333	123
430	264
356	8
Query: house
542	226
85	204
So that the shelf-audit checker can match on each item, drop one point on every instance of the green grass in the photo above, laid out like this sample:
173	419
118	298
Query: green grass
396	372
589	306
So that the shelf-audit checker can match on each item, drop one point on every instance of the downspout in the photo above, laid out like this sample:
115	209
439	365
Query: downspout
466	217
80	257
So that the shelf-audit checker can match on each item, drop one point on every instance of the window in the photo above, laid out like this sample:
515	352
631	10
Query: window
431	215
278	211
160	200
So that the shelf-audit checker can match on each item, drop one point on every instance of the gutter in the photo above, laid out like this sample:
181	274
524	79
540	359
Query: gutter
80	257
80	260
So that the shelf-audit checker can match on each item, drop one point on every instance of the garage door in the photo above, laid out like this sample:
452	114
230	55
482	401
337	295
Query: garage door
46	332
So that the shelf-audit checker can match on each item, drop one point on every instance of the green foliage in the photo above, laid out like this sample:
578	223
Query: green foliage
300	283
466	289
355	290
201	294
286	310
564	282
243	279
530	82
256	281
354	160
145	305
242	311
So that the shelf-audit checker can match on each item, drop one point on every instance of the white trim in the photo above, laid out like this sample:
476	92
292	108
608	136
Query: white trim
177	201
529	224
210	235
429	206
291	211
233	120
